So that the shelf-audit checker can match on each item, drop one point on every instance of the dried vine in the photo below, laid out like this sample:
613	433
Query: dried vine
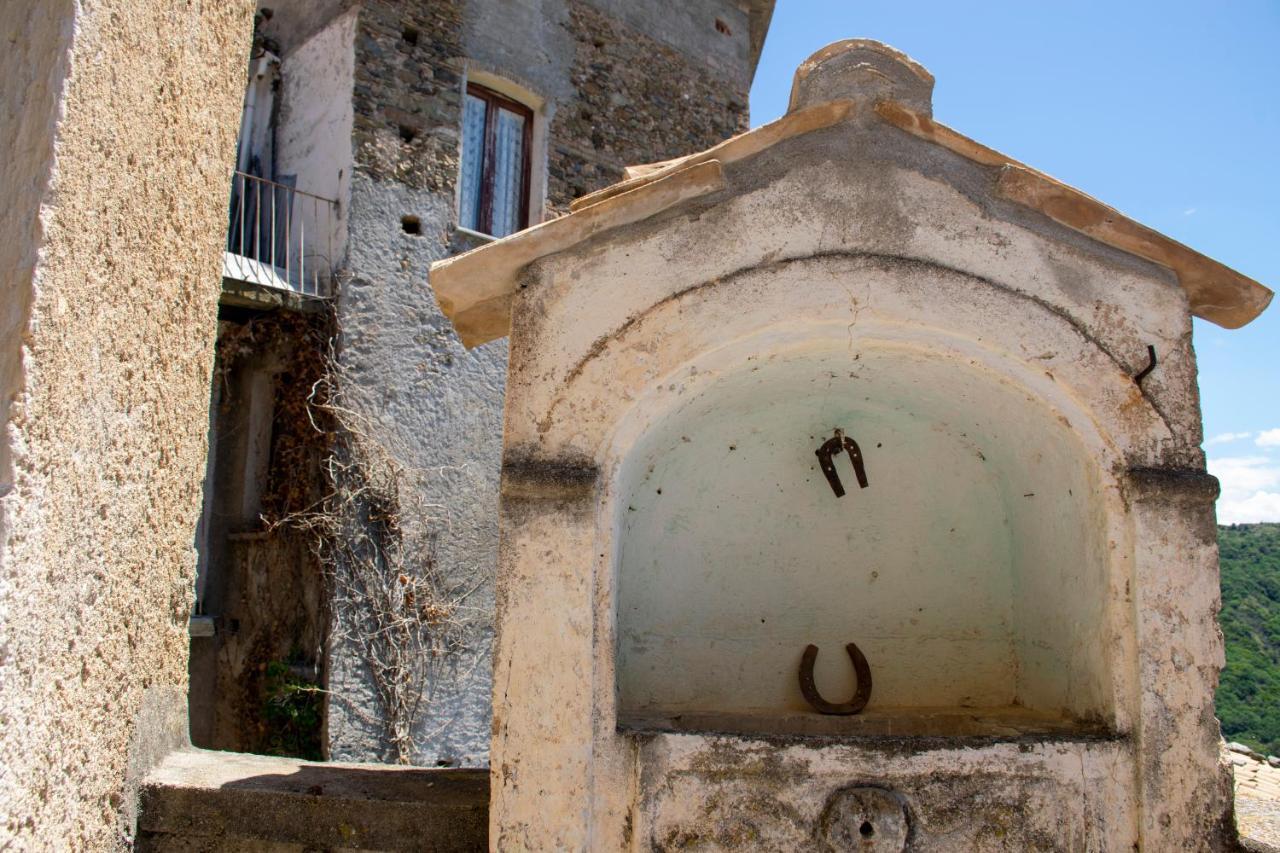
374	533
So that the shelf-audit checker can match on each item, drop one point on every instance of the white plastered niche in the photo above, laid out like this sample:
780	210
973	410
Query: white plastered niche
972	571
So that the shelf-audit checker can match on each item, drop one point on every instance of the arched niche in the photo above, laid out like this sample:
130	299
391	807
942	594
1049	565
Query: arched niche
973	570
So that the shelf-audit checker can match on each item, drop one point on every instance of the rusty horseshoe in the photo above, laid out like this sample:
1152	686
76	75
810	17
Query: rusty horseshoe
862	674
829	449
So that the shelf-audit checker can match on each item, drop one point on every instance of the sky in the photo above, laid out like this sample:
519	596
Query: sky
1168	111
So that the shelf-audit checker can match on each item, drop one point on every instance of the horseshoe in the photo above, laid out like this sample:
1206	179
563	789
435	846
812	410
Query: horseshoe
829	449
862	674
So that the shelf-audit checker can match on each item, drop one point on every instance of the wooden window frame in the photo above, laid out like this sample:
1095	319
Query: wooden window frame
493	100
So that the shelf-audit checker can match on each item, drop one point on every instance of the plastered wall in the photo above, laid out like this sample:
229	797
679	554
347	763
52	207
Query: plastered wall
114	171
313	137
734	553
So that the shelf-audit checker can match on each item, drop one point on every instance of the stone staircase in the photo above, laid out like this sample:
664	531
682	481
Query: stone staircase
199	800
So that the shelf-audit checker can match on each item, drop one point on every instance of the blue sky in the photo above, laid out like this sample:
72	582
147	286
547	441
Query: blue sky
1169	111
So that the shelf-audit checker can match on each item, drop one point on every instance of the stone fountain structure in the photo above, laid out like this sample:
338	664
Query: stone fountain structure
852	406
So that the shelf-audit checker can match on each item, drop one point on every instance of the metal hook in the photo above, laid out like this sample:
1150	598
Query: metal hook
829	449
1151	365
862	674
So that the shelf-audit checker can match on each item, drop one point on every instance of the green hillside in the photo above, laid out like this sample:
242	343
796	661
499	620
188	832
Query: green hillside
1249	694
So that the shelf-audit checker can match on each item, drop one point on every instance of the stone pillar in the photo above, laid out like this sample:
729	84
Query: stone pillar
544	658
1185	792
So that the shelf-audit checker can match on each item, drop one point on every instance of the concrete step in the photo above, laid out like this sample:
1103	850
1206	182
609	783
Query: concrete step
199	800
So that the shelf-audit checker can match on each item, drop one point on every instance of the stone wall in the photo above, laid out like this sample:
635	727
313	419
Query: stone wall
407	77
395	349
636	100
115	180
611	84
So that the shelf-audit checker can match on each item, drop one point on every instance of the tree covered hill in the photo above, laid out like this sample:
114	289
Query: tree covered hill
1248	697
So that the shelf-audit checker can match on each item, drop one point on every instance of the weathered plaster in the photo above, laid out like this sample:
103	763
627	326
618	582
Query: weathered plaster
726	794
295	22
946	599
435	406
313	139
33	71
118	219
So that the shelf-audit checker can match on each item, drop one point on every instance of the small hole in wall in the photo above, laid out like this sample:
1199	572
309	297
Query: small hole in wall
408	134
411	225
867	830
410	36
723	28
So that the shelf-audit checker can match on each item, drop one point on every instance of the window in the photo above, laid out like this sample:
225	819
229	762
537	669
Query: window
496	133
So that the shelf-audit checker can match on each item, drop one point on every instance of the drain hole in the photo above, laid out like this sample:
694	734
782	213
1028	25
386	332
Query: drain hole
867	829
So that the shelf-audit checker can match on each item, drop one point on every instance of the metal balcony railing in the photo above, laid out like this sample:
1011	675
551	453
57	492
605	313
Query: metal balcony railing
279	237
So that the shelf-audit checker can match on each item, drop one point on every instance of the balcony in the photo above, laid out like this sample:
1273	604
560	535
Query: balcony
279	244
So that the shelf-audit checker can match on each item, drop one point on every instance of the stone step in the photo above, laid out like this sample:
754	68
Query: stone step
199	800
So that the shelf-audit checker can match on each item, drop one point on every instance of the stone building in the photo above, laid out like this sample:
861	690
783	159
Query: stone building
853	381
378	137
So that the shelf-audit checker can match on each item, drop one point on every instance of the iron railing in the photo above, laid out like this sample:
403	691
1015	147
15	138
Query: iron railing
279	237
